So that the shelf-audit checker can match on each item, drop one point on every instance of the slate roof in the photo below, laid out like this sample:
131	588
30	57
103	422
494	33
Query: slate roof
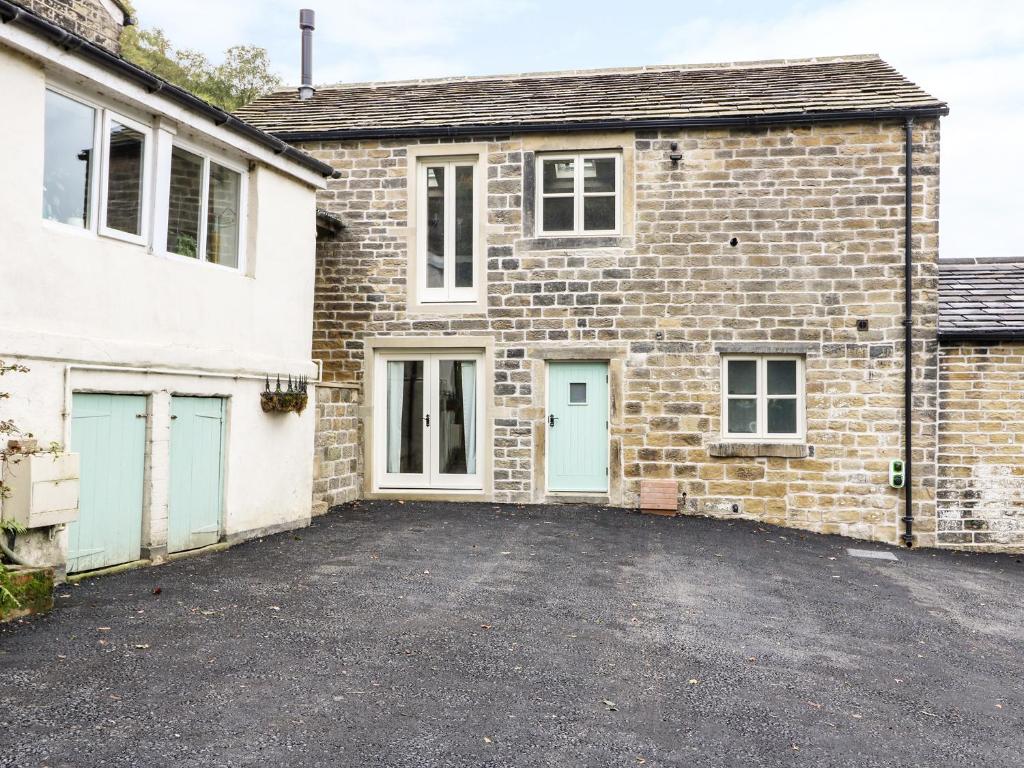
707	94
981	299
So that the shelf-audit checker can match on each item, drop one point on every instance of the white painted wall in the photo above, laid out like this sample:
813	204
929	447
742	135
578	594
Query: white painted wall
69	297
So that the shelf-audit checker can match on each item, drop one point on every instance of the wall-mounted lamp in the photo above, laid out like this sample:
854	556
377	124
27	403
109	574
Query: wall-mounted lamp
675	155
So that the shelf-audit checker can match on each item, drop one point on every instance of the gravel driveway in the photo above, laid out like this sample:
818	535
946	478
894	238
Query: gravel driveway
439	634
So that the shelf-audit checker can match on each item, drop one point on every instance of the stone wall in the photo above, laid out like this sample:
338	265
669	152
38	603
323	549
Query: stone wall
92	19
788	235
981	446
338	459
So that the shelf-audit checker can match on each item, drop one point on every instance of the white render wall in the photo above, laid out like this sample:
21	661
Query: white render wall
69	298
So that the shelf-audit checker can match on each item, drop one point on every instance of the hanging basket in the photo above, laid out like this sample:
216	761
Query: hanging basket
292	399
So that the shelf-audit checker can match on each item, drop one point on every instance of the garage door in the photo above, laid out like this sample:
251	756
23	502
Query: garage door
109	432
197	470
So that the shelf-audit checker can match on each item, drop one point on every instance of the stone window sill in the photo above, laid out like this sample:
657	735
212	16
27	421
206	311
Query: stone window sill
575	242
784	450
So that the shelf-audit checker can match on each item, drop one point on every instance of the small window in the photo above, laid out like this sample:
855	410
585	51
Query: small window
579	194
578	393
447	231
762	398
125	176
204	211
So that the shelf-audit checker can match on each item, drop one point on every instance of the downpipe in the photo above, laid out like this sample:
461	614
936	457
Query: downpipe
908	333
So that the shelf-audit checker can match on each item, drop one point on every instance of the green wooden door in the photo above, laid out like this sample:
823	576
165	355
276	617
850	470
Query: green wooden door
578	427
109	432
197	470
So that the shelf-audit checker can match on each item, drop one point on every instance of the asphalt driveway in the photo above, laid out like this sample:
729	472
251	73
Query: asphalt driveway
436	634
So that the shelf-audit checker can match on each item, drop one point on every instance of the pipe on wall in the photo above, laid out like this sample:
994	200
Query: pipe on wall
908	333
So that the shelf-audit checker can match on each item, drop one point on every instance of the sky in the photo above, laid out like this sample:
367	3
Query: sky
967	53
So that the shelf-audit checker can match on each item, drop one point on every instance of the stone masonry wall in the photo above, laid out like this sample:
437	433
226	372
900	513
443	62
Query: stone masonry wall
338	460
817	214
88	18
981	444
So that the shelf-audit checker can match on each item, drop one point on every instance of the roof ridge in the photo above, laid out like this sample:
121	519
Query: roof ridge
542	75
967	263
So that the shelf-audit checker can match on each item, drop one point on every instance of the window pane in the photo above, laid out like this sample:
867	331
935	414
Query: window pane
185	204
68	158
598	213
742	416
558	214
782	377
463	226
405	416
578	393
435	227
599	175
124	179
456	417
742	377
222	216
559	176
782	416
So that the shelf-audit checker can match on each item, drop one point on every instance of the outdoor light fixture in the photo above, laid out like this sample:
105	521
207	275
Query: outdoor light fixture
675	155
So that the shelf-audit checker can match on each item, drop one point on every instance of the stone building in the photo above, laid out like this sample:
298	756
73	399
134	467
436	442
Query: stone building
561	287
980	494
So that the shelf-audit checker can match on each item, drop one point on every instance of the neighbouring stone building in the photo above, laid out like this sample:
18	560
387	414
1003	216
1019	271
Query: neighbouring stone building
556	287
980	494
98	21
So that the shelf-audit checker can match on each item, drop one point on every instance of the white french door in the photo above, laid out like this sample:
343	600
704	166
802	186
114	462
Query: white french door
428	426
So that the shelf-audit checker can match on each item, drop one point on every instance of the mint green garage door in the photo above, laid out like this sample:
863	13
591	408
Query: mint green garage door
109	432
578	427
197	472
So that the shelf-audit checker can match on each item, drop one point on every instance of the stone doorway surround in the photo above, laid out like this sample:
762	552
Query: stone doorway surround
615	356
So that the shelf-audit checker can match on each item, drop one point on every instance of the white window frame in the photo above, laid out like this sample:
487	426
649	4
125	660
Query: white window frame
109	117
449	293
95	170
761	396
578	194
243	205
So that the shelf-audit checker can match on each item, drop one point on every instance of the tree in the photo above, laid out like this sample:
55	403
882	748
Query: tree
243	76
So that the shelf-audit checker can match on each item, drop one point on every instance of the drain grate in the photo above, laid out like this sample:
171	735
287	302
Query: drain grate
872	554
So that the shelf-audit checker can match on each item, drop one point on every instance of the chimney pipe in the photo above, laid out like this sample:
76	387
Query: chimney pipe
307	20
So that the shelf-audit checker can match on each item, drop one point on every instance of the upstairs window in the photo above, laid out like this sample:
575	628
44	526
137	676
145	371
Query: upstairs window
101	175
96	169
579	194
763	398
447	231
204	212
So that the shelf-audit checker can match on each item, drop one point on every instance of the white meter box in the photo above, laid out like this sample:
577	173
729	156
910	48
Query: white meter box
43	488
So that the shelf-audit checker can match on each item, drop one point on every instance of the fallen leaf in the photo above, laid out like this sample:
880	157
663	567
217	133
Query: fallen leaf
487	740
609	705
694	682
103	629
142	646
485	626
274	607
157	590
814	704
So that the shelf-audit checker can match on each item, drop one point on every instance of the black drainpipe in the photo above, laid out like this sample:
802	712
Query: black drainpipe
908	334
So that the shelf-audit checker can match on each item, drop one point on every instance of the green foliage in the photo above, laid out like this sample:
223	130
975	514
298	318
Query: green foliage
243	76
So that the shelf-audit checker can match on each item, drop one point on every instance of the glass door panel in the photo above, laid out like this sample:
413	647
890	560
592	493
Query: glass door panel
457	423
405	422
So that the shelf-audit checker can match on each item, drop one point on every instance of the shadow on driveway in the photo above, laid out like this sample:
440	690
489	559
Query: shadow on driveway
441	634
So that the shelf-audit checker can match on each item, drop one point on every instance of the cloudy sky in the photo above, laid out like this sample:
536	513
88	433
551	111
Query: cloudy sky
971	54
